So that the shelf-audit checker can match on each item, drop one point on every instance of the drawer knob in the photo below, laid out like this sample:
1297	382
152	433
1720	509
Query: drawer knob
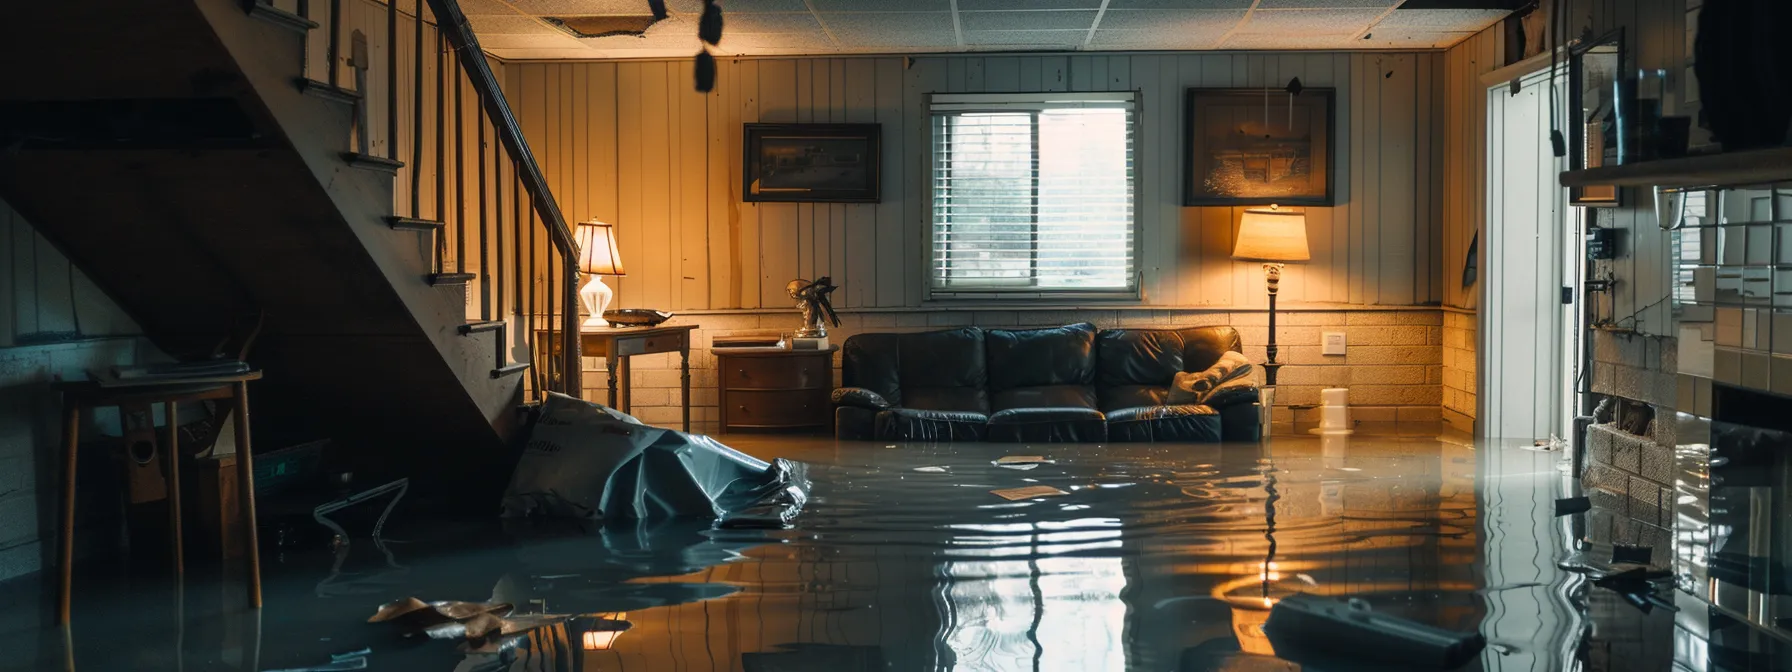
744	374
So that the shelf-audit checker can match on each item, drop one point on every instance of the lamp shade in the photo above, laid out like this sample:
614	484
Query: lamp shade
597	249
1272	235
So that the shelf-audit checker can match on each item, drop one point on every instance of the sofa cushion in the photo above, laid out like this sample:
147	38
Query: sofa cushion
1183	422
1034	357
936	370
870	361
1044	396
1132	359
911	424
1194	388
1047	424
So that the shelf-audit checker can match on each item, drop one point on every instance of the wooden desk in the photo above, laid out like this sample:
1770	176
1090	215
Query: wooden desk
90	394
617	344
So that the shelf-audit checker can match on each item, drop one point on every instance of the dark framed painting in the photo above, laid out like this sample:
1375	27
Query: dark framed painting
1242	147
812	163
1596	125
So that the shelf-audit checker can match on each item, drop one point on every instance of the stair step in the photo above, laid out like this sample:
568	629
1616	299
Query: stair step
312	87
476	327
414	224
452	278
503	371
279	17
372	162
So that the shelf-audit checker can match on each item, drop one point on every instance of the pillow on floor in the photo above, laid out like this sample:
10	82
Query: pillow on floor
1194	388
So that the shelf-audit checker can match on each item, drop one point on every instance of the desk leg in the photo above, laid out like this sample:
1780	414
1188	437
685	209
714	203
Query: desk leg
685	382
171	455
245	479
71	438
610	368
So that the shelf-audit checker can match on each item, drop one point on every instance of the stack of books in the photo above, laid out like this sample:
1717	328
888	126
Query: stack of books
169	372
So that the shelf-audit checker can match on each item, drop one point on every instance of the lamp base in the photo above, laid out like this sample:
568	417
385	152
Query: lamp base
595	297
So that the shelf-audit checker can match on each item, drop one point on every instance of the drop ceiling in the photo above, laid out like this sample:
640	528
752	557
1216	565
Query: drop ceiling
526	30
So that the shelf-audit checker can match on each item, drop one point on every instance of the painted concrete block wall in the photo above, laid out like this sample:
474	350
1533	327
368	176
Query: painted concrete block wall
1459	370
54	324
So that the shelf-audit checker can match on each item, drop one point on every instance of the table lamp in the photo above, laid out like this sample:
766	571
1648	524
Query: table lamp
1274	237
597	257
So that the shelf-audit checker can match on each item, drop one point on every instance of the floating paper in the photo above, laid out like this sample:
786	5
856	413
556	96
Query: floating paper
1029	492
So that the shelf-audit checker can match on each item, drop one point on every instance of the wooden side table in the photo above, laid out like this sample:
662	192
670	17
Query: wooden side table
772	389
617	344
78	395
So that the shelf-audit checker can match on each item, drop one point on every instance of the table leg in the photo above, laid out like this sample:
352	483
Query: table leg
245	478
685	363
628	387
171	455
66	554
610	368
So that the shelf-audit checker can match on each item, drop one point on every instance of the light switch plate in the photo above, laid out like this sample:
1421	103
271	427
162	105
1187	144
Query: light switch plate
1334	343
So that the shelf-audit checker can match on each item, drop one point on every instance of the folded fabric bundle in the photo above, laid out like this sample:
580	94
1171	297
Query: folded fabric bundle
585	460
1233	371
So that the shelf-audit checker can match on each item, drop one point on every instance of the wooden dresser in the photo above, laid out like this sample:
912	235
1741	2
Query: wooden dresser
770	390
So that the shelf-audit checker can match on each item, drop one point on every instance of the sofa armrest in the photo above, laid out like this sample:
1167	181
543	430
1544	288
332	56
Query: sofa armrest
1233	393
860	397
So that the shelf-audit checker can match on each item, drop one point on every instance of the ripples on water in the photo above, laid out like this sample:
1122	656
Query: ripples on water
1156	558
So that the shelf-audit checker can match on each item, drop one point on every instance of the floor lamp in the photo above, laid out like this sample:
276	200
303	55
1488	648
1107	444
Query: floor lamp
1275	237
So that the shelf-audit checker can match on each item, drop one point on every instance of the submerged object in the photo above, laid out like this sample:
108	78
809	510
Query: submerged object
586	460
1301	625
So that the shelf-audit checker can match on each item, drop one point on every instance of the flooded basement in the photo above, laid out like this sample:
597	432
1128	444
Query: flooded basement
1129	557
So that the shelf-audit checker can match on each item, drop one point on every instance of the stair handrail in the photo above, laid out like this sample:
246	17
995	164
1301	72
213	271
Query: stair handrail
453	24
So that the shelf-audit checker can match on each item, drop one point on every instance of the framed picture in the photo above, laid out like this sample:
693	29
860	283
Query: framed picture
812	163
1596	126
1246	147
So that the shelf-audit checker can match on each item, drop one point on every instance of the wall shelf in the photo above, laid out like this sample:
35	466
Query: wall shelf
1733	168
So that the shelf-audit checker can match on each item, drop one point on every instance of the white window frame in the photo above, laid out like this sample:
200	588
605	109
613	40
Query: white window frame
1012	102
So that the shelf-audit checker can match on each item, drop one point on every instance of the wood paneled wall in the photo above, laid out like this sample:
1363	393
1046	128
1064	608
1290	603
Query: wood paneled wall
630	143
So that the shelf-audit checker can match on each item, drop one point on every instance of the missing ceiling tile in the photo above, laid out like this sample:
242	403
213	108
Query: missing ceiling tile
604	26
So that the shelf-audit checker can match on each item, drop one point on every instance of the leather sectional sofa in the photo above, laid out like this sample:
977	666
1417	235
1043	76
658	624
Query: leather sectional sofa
1070	383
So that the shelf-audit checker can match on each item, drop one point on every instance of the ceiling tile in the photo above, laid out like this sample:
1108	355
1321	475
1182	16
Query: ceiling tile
1325	4
863	30
732	6
784	43
1297	22
1286	41
549	54
1165	37
478	7
597	7
1026	38
769	22
1442	20
684	44
550	41
1045	20
1178	4
1158	19
880	6
1410	39
993	5
489	24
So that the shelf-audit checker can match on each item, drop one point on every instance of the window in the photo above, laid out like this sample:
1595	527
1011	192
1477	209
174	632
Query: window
1032	195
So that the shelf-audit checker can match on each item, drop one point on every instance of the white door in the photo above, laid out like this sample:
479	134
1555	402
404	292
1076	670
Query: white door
1522	347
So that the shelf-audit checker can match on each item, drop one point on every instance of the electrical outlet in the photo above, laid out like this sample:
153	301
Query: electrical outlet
1334	343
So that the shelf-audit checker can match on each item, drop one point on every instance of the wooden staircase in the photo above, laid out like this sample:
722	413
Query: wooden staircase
205	158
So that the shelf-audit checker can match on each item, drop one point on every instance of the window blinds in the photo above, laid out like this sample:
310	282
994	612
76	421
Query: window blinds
1032	194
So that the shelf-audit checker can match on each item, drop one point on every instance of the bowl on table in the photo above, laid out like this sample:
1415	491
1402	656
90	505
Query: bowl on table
636	317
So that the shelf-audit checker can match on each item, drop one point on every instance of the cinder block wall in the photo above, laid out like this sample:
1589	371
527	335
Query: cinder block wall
1393	367
1630	481
1459	370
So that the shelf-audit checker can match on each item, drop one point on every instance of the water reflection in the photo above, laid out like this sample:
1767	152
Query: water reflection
1157	558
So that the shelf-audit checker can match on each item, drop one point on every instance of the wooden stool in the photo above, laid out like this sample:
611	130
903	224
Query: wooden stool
92	394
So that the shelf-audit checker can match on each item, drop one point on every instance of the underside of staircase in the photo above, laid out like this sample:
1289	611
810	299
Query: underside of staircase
165	148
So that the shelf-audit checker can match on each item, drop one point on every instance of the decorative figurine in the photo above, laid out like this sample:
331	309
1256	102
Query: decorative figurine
812	299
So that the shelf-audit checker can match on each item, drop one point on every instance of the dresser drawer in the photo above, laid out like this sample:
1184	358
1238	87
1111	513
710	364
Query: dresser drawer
778	373
777	408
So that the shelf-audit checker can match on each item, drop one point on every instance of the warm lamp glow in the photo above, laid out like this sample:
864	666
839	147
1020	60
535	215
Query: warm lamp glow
602	640
597	249
597	257
1272	235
